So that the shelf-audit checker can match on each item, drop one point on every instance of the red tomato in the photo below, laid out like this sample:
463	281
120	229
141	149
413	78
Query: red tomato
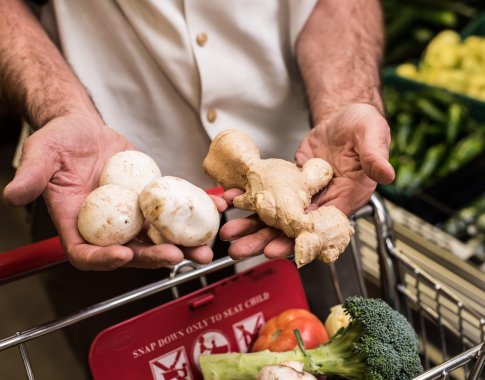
277	334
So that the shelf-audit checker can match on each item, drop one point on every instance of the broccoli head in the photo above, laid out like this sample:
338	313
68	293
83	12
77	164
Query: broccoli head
379	338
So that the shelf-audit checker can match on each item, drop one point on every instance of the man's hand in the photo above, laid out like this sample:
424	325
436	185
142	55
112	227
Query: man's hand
63	161
355	141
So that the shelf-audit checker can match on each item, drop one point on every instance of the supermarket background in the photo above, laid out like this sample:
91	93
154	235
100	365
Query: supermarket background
434	91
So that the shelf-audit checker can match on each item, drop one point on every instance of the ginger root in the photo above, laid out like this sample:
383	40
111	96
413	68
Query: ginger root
280	192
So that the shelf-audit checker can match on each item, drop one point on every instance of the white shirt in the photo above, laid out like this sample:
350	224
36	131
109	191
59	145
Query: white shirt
171	74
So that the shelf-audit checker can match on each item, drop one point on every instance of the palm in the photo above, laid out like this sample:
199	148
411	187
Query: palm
63	161
355	142
77	165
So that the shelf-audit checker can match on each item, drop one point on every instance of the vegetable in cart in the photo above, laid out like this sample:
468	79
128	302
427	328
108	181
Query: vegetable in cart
277	334
379	343
337	319
285	370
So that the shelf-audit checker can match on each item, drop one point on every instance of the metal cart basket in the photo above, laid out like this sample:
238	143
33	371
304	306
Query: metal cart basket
451	333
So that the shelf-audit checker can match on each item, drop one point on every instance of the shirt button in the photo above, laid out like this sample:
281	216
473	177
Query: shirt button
201	39
211	115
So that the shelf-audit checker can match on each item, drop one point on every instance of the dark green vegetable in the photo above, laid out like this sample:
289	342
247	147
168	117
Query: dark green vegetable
430	110
456	114
404	131
417	143
406	175
440	97
432	134
431	162
465	150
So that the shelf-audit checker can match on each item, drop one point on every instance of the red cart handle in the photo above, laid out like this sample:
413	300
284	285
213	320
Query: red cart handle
44	253
31	257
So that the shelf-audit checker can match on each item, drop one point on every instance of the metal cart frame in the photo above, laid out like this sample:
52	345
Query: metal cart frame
403	285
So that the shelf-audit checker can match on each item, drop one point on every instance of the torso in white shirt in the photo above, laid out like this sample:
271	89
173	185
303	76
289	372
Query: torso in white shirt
169	75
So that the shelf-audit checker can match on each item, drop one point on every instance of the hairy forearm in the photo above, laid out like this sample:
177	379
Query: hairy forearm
35	80
339	53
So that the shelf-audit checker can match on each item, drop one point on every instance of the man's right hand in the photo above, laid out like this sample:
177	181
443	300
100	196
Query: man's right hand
63	161
64	158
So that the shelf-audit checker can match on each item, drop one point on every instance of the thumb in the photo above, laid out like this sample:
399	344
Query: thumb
374	150
36	168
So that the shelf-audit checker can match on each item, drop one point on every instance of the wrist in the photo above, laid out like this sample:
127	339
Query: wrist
322	112
70	102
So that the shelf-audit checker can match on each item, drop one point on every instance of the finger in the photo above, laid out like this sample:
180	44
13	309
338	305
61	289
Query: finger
91	257
378	169
237	228
253	244
373	148
230	194
280	247
36	168
201	255
149	256
220	203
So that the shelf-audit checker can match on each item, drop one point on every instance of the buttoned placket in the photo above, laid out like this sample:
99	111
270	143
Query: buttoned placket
201	47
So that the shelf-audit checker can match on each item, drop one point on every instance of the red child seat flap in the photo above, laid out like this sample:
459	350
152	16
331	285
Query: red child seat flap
166	342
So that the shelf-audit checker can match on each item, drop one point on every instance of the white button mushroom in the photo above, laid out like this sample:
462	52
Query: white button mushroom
182	212
284	371
130	169
110	215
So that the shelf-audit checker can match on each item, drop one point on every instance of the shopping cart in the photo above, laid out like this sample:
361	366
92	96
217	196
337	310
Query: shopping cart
451	333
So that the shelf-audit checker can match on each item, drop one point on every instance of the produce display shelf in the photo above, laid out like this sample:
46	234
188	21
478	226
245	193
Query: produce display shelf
436	201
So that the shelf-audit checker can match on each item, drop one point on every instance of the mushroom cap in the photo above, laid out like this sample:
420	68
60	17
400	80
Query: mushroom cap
110	215
182	212
131	169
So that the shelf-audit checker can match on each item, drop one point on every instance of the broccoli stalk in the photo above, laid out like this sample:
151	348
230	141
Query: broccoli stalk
378	344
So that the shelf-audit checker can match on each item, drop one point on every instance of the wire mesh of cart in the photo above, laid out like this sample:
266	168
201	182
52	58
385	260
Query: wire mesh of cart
451	333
